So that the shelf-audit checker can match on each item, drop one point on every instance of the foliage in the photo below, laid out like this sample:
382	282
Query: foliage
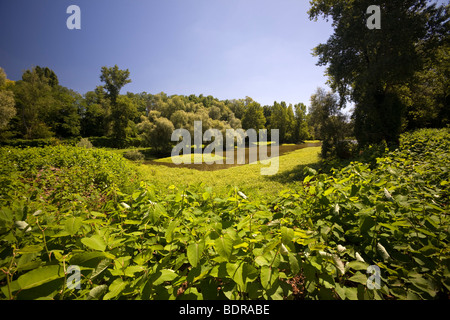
253	117
134	155
328	123
366	66
84	143
313	242
114	79
157	134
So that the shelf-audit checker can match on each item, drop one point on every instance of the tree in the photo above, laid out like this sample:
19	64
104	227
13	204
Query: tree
63	115
114	80
122	111
45	74
279	119
33	95
367	66
253	117
301	131
96	114
122	108
329	123
158	134
427	95
7	102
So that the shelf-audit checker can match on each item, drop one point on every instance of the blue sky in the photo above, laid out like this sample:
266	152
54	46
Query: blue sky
224	48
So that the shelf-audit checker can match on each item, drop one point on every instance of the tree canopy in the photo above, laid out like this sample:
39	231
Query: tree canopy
368	66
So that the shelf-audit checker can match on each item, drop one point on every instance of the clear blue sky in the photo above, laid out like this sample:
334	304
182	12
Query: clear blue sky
224	48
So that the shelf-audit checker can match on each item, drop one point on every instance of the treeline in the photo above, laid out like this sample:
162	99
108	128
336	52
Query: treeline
38	107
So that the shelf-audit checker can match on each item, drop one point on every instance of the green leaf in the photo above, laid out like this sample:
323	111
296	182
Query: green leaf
72	225
115	288
244	274
31	249
40	276
95	242
224	246
163	276
268	277
170	230
287	234
194	252
102	266
293	263
358	277
97	292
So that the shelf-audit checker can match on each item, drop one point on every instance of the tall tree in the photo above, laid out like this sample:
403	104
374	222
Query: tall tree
301	131
114	79
7	102
122	108
33	95
328	121
253	117
366	66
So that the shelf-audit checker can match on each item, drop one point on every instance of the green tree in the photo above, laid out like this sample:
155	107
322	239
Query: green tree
253	117
123	109
7	102
114	79
63	115
328	121
427	95
279	120
158	134
301	131
366	66
96	114
33	95
122	113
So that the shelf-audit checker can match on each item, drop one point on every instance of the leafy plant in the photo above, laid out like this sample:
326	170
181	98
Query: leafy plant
316	241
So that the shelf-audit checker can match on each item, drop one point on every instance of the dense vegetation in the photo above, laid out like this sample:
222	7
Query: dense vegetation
312	231
64	206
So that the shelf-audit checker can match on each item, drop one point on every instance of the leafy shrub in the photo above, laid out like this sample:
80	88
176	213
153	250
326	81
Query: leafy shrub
134	155
314	242
84	143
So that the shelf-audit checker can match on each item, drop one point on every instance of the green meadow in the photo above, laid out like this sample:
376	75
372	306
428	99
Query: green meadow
247	177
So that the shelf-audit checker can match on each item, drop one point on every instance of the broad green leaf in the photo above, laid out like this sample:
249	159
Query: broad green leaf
89	259
287	234
115	288
31	249
102	266
163	276
72	225
224	246
95	242
245	273
96	292
40	276
358	277
194	252
170	230
293	263
268	277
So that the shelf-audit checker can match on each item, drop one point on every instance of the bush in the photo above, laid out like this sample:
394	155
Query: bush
134	155
84	143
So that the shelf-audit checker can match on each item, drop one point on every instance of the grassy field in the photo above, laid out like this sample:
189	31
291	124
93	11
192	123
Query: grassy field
247	178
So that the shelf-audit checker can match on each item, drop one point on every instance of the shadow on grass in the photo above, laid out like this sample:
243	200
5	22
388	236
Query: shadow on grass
295	174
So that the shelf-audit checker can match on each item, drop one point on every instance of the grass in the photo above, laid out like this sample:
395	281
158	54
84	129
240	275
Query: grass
191	158
247	178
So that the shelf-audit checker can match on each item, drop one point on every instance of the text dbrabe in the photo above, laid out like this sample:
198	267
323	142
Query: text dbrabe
244	309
